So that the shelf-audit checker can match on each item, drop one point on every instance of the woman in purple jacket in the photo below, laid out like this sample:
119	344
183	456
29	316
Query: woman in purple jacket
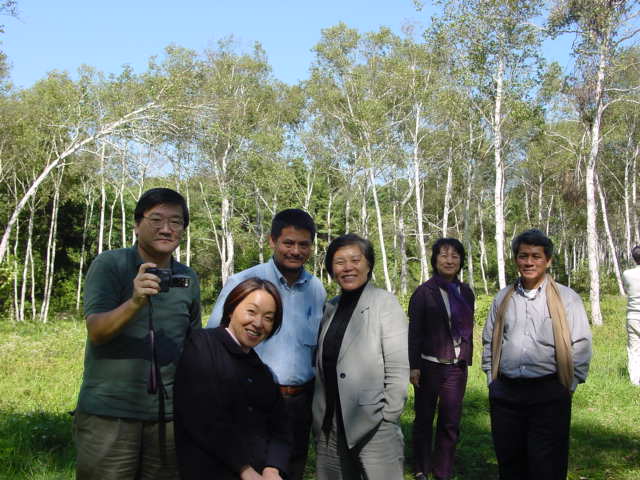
440	350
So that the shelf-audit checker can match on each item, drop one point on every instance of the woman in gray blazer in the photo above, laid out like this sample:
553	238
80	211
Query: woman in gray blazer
362	375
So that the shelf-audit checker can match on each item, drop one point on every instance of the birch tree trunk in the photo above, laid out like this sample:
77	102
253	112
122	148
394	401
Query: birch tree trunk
187	196
466	236
592	232
612	247
499	179
483	249
383	250
417	188
16	304
51	250
447	194
28	260
88	215
103	201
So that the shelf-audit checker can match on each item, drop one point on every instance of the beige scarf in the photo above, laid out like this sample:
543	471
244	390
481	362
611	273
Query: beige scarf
561	334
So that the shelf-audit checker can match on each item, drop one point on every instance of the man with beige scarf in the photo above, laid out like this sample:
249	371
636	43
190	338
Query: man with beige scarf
537	348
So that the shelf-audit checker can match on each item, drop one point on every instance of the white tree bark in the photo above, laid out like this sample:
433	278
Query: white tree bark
383	250
51	250
103	200
447	195
417	188
499	172
88	215
612	247
590	178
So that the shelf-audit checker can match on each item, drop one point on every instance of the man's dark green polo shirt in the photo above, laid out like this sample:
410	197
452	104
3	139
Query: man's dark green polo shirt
115	376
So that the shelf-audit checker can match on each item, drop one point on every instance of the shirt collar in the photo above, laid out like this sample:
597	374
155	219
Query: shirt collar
301	280
528	293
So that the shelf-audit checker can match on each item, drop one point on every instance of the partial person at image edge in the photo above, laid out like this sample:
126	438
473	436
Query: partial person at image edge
631	281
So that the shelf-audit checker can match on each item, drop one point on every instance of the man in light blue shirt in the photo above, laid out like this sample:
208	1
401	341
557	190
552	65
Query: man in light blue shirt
290	353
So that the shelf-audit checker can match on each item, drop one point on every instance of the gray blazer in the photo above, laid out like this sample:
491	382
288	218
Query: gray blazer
373	364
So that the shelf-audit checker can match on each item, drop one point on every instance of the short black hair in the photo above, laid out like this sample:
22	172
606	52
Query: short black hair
242	291
449	242
292	217
635	253
533	237
366	247
156	196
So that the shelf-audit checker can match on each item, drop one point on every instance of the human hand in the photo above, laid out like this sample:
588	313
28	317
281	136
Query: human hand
248	473
414	377
271	473
145	284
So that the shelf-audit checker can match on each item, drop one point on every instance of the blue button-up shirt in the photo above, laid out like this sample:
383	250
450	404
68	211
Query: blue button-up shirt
291	351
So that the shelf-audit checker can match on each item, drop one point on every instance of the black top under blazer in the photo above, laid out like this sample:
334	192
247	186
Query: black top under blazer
228	410
429	329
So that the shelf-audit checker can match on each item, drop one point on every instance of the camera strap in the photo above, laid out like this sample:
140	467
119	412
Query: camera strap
155	385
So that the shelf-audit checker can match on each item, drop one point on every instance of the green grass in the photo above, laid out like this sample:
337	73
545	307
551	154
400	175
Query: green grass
41	369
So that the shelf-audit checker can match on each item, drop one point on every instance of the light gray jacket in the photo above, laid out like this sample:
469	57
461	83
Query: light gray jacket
373	364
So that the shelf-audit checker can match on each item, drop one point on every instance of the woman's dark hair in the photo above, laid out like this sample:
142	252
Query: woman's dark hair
242	291
156	196
366	247
635	253
533	237
447	242
292	217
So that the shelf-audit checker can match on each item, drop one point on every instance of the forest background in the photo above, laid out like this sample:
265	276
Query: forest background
460	128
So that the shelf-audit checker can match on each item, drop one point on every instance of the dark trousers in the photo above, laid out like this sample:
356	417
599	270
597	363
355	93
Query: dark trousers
530	422
442	387
298	408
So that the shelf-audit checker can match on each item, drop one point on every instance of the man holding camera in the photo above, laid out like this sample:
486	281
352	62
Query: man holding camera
140	305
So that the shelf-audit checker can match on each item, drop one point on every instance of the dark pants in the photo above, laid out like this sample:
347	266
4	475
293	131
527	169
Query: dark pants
530	422
298	408
441	386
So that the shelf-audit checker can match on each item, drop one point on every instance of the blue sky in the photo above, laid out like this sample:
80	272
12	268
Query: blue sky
64	34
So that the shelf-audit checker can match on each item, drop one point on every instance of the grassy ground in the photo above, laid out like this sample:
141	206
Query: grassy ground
41	368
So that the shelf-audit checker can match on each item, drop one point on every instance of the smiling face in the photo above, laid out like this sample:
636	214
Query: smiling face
291	249
532	264
252	320
159	232
448	262
350	267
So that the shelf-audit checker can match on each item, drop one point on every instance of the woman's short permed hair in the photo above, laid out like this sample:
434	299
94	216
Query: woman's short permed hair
366	247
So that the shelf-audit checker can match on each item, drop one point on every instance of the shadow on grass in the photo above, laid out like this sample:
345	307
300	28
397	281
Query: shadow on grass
36	444
596	452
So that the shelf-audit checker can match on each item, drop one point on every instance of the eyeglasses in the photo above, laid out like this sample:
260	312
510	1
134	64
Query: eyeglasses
175	224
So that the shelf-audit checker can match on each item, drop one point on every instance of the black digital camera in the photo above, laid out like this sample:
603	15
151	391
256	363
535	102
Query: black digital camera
168	280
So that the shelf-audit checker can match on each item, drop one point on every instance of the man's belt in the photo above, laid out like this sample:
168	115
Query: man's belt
293	390
527	380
